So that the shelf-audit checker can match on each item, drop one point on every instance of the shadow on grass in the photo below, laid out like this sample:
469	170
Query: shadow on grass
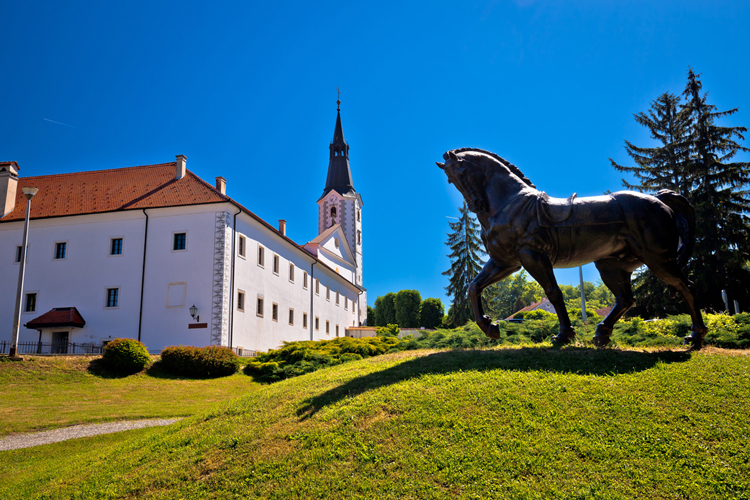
98	368
583	361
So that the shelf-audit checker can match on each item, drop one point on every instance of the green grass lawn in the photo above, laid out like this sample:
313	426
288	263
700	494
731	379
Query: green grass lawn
529	422
48	392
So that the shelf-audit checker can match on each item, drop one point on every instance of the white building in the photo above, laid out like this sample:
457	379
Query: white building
126	253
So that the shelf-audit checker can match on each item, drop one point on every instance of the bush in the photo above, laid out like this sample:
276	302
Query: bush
200	362
126	356
387	331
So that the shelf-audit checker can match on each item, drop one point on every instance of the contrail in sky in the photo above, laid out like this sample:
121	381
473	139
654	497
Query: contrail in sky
60	123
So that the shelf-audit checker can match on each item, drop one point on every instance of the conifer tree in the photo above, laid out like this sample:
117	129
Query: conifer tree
694	160
465	248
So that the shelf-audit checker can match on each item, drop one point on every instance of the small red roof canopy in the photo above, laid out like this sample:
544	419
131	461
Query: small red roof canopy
59	316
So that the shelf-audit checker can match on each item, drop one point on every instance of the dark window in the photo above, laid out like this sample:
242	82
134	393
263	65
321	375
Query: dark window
261	256
276	264
317	323
116	246
275	312
259	307
242	246
19	251
30	302
333	211
180	240
291	272
328	326
304	280
113	295
337	330
60	250
304	320
291	317
241	301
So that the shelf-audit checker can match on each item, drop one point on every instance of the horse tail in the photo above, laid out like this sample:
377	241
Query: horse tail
685	219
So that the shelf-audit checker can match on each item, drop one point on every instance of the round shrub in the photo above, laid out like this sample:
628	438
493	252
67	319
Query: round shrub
126	356
200	362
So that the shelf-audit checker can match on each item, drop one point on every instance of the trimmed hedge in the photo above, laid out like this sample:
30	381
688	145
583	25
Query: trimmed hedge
126	356
200	362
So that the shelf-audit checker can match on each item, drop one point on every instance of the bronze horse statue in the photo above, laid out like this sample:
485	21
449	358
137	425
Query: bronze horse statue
524	227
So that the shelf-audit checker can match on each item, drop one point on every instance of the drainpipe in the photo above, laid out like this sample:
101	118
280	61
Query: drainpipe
312	291
231	284
143	276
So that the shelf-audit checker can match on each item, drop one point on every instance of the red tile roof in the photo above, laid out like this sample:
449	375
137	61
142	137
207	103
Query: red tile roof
60	316
149	186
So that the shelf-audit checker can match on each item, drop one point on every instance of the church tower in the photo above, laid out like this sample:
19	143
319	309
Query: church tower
340	202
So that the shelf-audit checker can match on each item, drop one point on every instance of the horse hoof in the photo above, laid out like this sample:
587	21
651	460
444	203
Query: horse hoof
695	343
493	331
563	338
601	340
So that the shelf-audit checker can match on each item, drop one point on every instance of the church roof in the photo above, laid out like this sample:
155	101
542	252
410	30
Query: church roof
339	177
79	193
59	316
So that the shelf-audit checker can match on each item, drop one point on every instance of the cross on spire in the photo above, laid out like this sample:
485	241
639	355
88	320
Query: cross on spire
338	102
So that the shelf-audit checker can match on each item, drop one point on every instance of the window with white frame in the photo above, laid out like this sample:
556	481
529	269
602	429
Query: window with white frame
328	327
115	246
179	242
241	245
337	330
275	311
240	301
61	250
304	280
317	287
328	292
291	317
259	307
317	324
304	320
261	256
112	300
291	272
275	264
337	298
30	305
346	303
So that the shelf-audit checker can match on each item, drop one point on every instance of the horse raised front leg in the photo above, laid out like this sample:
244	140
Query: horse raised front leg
540	268
492	272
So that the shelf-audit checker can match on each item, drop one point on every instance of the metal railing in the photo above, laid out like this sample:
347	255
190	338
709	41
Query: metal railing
52	348
244	353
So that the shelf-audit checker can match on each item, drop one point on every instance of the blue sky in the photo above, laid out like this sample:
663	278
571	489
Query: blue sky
247	91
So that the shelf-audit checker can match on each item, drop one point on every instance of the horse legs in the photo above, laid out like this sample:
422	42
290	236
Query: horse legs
616	275
492	272
540	268
669	272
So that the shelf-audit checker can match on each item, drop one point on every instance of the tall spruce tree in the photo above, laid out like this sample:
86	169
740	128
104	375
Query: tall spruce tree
693	159
465	248
721	199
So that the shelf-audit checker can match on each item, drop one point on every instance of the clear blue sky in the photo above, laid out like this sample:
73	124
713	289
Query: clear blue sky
247	91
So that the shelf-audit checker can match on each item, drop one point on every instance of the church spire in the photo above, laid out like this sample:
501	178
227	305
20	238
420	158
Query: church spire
339	174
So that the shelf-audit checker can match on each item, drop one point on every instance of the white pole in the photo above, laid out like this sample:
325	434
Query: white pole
29	193
583	297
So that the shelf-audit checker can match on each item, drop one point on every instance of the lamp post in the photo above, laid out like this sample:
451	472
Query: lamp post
29	192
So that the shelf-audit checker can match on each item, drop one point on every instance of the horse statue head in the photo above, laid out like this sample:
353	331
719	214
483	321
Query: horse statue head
470	170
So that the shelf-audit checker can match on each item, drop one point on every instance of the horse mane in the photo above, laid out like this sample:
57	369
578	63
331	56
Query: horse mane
505	162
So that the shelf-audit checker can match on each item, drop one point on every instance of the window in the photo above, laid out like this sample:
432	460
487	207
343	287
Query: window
304	280
30	303
60	249
275	264
241	247
259	307
317	287
19	251
328	292
328	327
291	272
240	300
275	312
317	323
115	247
291	316
113	297
336	242
261	256
358	215
337	330
333	212
359	237
180	241
346	303
304	320
337	298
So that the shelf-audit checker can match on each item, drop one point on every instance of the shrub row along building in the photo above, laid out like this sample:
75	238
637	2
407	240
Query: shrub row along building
126	252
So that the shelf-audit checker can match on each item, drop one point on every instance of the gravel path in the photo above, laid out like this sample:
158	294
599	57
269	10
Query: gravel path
77	431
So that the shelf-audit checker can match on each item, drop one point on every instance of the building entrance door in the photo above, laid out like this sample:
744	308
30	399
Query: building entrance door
59	342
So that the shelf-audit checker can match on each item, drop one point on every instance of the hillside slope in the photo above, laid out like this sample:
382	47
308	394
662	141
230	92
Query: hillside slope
509	423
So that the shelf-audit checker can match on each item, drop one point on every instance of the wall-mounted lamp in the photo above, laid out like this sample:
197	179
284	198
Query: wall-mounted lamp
194	313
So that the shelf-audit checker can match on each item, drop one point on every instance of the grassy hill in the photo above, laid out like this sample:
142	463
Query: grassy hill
529	422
